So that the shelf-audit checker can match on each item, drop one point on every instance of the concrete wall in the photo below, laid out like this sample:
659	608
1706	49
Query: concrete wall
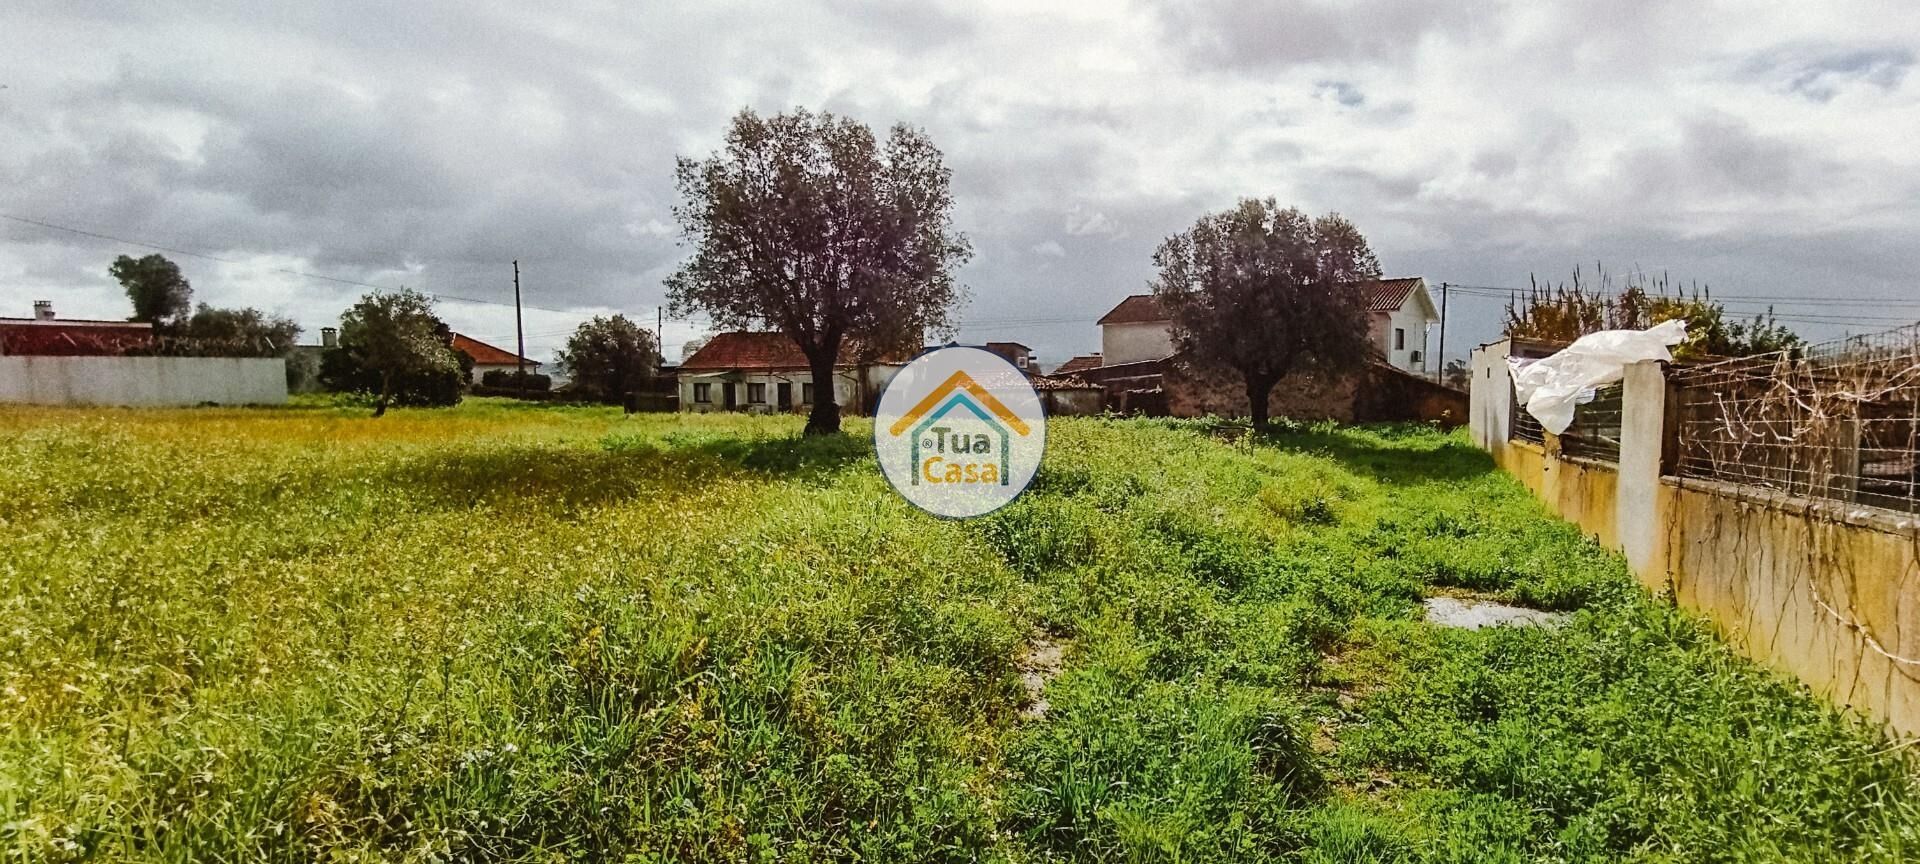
1074	402
1130	343
1822	590
143	381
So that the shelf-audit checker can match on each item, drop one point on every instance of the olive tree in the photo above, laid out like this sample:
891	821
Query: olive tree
1268	292
807	224
394	336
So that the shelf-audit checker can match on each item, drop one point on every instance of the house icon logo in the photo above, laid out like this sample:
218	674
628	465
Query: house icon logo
959	432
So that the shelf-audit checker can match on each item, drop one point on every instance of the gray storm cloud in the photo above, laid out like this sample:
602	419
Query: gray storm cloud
430	144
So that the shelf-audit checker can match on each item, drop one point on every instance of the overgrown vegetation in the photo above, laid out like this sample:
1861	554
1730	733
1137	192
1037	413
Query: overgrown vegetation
1567	311
513	632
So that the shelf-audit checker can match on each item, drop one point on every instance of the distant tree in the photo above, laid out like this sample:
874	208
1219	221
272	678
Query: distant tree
1457	375
693	346
394	348
610	357
160	295
1565	312
1268	292
807	224
215	332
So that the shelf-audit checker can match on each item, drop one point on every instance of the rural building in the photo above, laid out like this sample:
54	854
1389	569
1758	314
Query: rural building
1401	311
47	335
1137	329
48	360
767	372
1019	355
487	358
1067	396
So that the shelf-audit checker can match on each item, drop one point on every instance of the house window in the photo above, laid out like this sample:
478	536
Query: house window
806	393
1399	339
757	393
703	392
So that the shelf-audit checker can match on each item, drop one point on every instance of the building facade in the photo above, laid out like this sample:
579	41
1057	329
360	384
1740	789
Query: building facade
766	373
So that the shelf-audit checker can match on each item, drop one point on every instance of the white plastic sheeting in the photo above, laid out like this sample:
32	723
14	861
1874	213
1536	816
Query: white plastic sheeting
1550	387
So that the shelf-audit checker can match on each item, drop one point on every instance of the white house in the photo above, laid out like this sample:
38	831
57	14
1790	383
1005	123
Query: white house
1135	330
767	372
1401	311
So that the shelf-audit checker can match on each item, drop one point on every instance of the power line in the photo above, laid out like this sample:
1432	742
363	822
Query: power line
286	270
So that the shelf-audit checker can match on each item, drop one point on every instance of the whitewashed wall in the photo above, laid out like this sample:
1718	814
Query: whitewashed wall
1131	343
143	381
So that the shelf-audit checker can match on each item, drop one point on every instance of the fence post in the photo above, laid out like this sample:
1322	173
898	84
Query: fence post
1644	430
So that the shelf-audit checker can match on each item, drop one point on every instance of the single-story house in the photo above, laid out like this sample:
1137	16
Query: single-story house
767	372
487	358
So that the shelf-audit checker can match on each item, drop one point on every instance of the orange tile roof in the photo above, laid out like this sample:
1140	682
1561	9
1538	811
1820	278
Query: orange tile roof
486	355
761	351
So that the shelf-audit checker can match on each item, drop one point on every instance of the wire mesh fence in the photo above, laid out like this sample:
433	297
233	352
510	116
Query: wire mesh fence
1595	433
1839	420
1522	426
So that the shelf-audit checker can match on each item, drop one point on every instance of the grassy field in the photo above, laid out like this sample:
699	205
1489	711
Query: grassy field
504	633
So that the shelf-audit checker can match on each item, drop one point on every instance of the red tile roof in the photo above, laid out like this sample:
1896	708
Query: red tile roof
1388	295
1077	364
28	337
1137	309
760	351
487	355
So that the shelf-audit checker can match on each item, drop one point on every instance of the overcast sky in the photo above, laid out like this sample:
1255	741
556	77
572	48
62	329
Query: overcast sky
1766	149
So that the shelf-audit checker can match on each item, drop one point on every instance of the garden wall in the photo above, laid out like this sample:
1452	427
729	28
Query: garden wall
143	381
1826	591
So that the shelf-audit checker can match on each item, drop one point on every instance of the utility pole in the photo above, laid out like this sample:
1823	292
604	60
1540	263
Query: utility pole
519	334
660	330
1442	377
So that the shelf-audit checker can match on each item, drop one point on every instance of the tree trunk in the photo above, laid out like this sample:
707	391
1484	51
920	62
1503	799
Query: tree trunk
1259	387
386	387
825	416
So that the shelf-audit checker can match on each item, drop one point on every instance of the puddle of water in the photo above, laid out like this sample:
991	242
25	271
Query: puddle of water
1475	614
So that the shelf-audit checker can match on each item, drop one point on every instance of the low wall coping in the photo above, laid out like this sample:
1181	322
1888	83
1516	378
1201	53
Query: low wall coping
1843	512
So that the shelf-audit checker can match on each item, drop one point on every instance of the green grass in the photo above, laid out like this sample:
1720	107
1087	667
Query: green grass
509	633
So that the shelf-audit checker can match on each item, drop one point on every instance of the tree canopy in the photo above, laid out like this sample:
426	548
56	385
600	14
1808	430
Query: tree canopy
214	332
160	295
1268	291
610	357
807	224
394	347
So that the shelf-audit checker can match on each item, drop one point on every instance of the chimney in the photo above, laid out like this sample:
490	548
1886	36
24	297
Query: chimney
329	337
43	310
